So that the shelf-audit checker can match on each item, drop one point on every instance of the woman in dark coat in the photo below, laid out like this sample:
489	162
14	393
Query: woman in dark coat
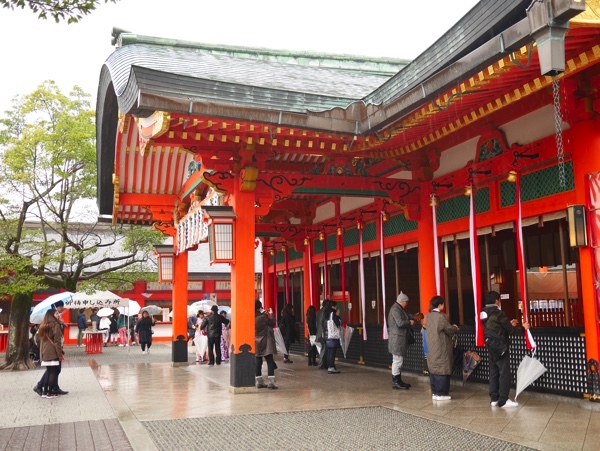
144	331
439	345
287	326
265	346
311	323
331	312
51	351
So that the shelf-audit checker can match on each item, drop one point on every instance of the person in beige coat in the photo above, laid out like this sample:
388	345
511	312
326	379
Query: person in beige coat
439	344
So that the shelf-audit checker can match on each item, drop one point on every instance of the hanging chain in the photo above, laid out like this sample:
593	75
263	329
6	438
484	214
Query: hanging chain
560	152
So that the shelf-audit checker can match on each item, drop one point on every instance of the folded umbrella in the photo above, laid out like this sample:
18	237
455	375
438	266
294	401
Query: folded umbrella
530	369
345	338
279	343
470	361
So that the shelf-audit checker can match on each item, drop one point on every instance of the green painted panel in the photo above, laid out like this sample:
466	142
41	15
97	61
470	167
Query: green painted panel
458	207
399	224
537	185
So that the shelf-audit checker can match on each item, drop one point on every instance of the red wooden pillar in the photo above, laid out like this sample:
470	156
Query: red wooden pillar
584	144
267	296
426	258
310	294
179	351
242	291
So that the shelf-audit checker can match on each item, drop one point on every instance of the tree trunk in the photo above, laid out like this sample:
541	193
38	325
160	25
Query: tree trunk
17	352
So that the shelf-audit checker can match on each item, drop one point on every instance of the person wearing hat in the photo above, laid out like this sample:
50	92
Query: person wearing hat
213	324
398	324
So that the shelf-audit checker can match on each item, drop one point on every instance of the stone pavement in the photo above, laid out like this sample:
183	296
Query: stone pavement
122	400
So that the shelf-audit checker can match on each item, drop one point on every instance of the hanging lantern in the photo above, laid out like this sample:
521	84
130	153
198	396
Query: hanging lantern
272	252
434	201
306	241
221	228
359	225
385	217
339	231
166	262
321	236
468	190
512	176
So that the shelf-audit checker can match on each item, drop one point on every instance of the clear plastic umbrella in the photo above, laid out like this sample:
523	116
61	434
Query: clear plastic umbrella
152	310
203	305
530	369
345	338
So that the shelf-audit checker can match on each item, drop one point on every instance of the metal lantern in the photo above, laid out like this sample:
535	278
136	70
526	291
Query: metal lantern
577	225
221	228
166	262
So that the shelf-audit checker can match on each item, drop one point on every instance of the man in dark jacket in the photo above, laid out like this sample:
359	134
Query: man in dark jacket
213	325
496	325
82	326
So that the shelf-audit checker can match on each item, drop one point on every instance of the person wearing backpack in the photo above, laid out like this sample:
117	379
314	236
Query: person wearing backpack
497	326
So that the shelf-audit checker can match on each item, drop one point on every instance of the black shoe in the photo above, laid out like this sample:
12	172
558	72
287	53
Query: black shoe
38	390
58	391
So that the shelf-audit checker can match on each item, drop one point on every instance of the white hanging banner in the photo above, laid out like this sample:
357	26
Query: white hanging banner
362	278
382	255
436	250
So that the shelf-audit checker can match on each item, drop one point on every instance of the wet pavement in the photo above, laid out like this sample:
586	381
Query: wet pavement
123	399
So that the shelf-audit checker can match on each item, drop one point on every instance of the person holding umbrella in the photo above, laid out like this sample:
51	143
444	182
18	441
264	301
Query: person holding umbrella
51	352
497	326
214	329
144	331
56	311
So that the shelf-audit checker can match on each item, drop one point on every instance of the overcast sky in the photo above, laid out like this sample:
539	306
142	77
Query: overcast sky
35	50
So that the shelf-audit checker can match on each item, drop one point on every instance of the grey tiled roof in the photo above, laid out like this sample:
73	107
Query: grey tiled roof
335	80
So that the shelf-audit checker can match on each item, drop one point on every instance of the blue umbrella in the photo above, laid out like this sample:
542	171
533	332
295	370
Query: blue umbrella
39	311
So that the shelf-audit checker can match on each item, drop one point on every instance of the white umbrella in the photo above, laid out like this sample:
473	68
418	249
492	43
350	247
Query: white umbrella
529	370
345	338
203	305
105	311
152	310
132	309
39	311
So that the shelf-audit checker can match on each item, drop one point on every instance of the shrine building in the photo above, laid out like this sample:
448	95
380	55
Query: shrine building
474	167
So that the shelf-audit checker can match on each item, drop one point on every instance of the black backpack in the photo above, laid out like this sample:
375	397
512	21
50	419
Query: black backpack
493	336
495	343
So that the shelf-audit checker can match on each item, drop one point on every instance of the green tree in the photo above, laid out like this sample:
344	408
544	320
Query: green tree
50	235
71	10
